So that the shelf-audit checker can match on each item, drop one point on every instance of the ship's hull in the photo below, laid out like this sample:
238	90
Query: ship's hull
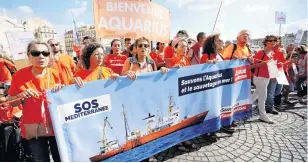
153	136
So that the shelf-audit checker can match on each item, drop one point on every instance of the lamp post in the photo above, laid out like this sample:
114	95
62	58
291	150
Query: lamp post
217	15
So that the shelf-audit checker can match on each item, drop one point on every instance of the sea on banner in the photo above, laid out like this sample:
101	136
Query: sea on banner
127	120
132	19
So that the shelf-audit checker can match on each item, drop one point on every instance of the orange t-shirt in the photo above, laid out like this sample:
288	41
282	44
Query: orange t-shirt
68	61
183	61
205	57
5	74
241	51
115	62
23	80
65	72
99	72
262	71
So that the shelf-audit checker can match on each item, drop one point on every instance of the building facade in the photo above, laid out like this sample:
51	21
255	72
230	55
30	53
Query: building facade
86	30
44	33
8	24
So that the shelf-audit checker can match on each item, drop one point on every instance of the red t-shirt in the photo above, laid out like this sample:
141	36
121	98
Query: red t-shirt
115	62
278	55
262	71
168	52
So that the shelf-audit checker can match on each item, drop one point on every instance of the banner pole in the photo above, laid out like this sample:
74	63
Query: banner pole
279	29
217	15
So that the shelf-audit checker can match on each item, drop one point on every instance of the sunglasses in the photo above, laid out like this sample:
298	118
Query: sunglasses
53	45
189	42
271	40
35	53
143	45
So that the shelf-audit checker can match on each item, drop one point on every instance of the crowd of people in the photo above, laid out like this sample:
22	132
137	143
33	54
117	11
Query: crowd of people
22	95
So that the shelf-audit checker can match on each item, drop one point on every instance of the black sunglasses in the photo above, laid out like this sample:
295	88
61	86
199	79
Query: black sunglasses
35	53
271	40
143	45
53	45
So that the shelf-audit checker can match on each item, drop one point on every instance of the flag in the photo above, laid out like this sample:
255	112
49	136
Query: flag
75	38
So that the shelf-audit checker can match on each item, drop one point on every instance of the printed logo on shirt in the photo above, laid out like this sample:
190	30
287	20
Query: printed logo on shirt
84	108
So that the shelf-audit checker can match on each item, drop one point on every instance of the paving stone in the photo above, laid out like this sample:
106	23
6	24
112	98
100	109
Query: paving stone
199	159
250	155
190	158
205	159
244	157
231	156
208	154
262	157
238	160
211	159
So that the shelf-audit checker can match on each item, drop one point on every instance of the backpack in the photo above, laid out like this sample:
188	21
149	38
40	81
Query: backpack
12	70
133	60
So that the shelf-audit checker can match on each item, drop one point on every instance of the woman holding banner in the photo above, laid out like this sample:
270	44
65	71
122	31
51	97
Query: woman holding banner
141	63
180	59
212	47
28	88
93	56
115	60
262	77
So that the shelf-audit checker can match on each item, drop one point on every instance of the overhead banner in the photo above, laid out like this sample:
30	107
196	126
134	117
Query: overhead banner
280	17
125	120
18	42
131	19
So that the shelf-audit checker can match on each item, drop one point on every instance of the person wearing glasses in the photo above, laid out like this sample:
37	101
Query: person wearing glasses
180	59
115	60
141	63
274	89
93	56
65	59
261	77
29	86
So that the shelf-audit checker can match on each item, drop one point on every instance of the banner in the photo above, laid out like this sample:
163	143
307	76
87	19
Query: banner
132	19
125	120
18	42
280	17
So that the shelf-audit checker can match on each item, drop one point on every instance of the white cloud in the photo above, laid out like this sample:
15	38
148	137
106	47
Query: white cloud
256	8
200	4
78	10
25	9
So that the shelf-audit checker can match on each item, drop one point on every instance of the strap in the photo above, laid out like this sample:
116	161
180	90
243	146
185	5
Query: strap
100	73
234	49
260	62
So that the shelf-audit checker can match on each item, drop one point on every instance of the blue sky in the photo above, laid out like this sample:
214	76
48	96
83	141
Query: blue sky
193	15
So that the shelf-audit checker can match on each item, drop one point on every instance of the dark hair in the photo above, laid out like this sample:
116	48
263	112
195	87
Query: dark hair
267	38
87	52
200	35
183	32
114	40
157	45
88	37
209	44
127	39
131	48
302	49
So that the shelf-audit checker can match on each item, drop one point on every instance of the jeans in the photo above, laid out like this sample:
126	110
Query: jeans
273	89
260	94
39	149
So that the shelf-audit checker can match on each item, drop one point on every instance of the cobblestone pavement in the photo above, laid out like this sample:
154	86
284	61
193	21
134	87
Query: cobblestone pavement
284	141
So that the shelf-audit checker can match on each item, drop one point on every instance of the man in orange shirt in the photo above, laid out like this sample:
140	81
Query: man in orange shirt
64	58
239	50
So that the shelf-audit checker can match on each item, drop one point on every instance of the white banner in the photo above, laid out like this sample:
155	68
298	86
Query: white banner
280	17
18	42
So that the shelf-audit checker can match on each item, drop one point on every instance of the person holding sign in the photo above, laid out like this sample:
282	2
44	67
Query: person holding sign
262	77
274	88
140	63
115	60
29	86
93	56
